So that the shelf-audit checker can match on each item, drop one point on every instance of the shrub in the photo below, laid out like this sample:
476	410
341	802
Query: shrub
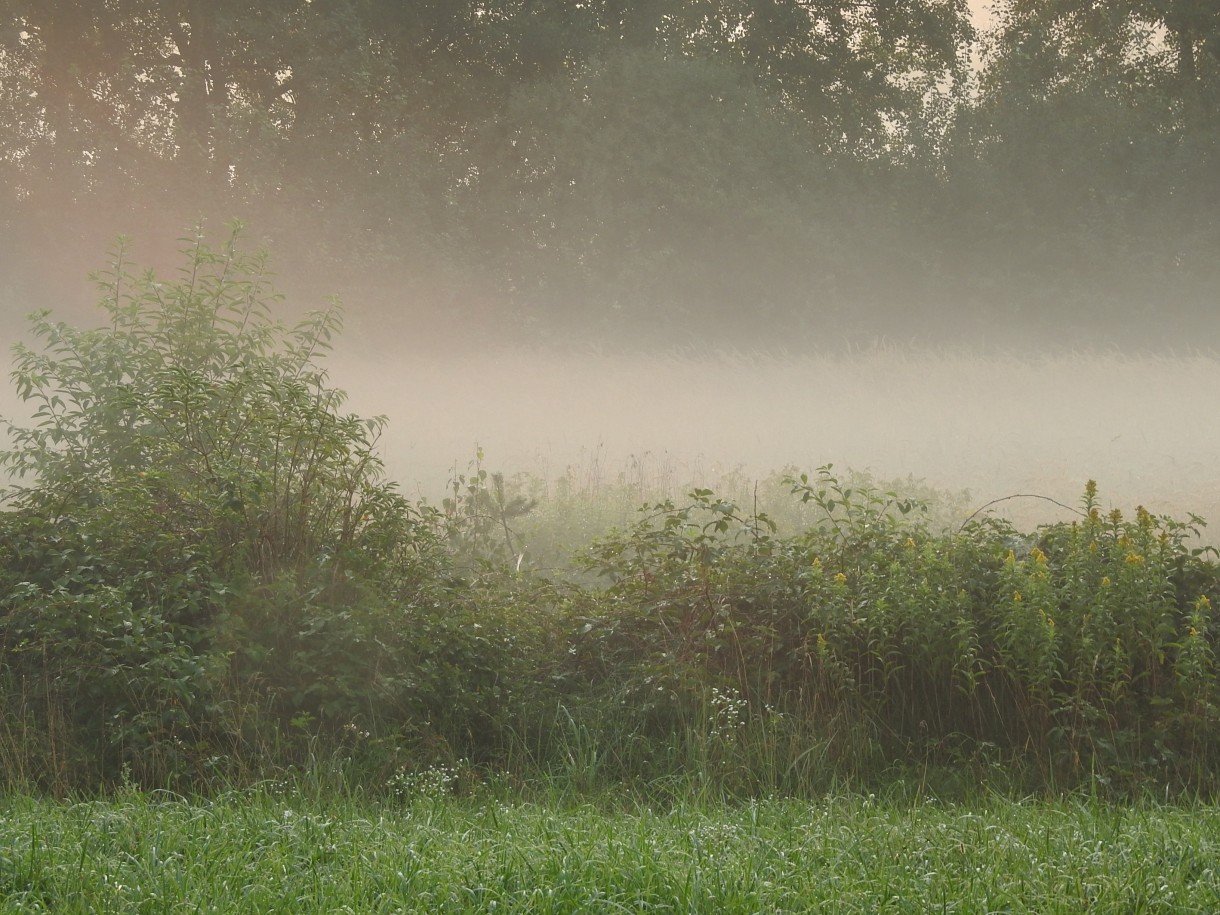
883	646
203	573
199	534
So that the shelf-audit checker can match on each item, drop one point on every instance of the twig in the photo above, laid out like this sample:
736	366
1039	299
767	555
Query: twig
1019	495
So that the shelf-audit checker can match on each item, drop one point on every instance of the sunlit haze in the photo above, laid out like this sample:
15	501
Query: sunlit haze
674	254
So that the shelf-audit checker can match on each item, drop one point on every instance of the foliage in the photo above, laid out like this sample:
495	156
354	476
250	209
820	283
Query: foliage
1087	656
480	514
203	550
204	576
765	173
1084	173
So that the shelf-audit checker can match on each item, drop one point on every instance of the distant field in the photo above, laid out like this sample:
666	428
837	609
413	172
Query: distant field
996	425
263	853
1142	426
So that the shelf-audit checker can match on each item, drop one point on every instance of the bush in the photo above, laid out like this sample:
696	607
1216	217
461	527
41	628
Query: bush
202	549
1085	653
205	576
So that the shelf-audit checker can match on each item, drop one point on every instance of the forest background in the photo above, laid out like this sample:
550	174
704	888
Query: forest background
749	173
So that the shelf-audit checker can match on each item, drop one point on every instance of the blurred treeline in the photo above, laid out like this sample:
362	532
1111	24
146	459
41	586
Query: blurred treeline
756	169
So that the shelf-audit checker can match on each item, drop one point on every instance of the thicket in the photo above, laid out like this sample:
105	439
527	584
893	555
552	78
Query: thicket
205	579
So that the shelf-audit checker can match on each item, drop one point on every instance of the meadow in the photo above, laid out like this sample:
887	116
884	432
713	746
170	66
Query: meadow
971	422
264	851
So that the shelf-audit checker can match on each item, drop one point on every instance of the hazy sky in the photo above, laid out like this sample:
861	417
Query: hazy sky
981	11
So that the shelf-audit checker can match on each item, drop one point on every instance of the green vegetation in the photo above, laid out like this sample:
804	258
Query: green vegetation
268	681
263	852
207	557
205	582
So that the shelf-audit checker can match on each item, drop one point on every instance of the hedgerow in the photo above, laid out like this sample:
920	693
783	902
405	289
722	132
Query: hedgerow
205	578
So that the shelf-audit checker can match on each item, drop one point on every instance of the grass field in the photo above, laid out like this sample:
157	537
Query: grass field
262	853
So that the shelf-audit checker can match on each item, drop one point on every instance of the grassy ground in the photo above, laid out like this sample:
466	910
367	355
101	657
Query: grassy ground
265	852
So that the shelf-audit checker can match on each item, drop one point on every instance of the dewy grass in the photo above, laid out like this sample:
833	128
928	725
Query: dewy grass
262	853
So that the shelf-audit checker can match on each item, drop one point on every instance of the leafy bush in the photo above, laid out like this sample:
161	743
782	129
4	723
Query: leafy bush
202	549
878	644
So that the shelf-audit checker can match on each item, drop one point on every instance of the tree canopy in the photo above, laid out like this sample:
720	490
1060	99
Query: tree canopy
616	165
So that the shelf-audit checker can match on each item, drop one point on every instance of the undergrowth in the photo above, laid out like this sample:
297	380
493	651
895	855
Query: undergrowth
206	582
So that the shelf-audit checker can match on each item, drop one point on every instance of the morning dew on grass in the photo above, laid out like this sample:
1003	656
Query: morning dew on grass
258	852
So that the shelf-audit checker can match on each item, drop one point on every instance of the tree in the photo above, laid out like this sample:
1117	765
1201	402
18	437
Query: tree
657	196
1083	181
387	138
1170	46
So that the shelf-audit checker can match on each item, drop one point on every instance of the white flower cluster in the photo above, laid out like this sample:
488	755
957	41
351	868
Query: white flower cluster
433	783
728	713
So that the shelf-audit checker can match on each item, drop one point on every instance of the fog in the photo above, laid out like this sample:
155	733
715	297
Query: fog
993	424
633	251
980	420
